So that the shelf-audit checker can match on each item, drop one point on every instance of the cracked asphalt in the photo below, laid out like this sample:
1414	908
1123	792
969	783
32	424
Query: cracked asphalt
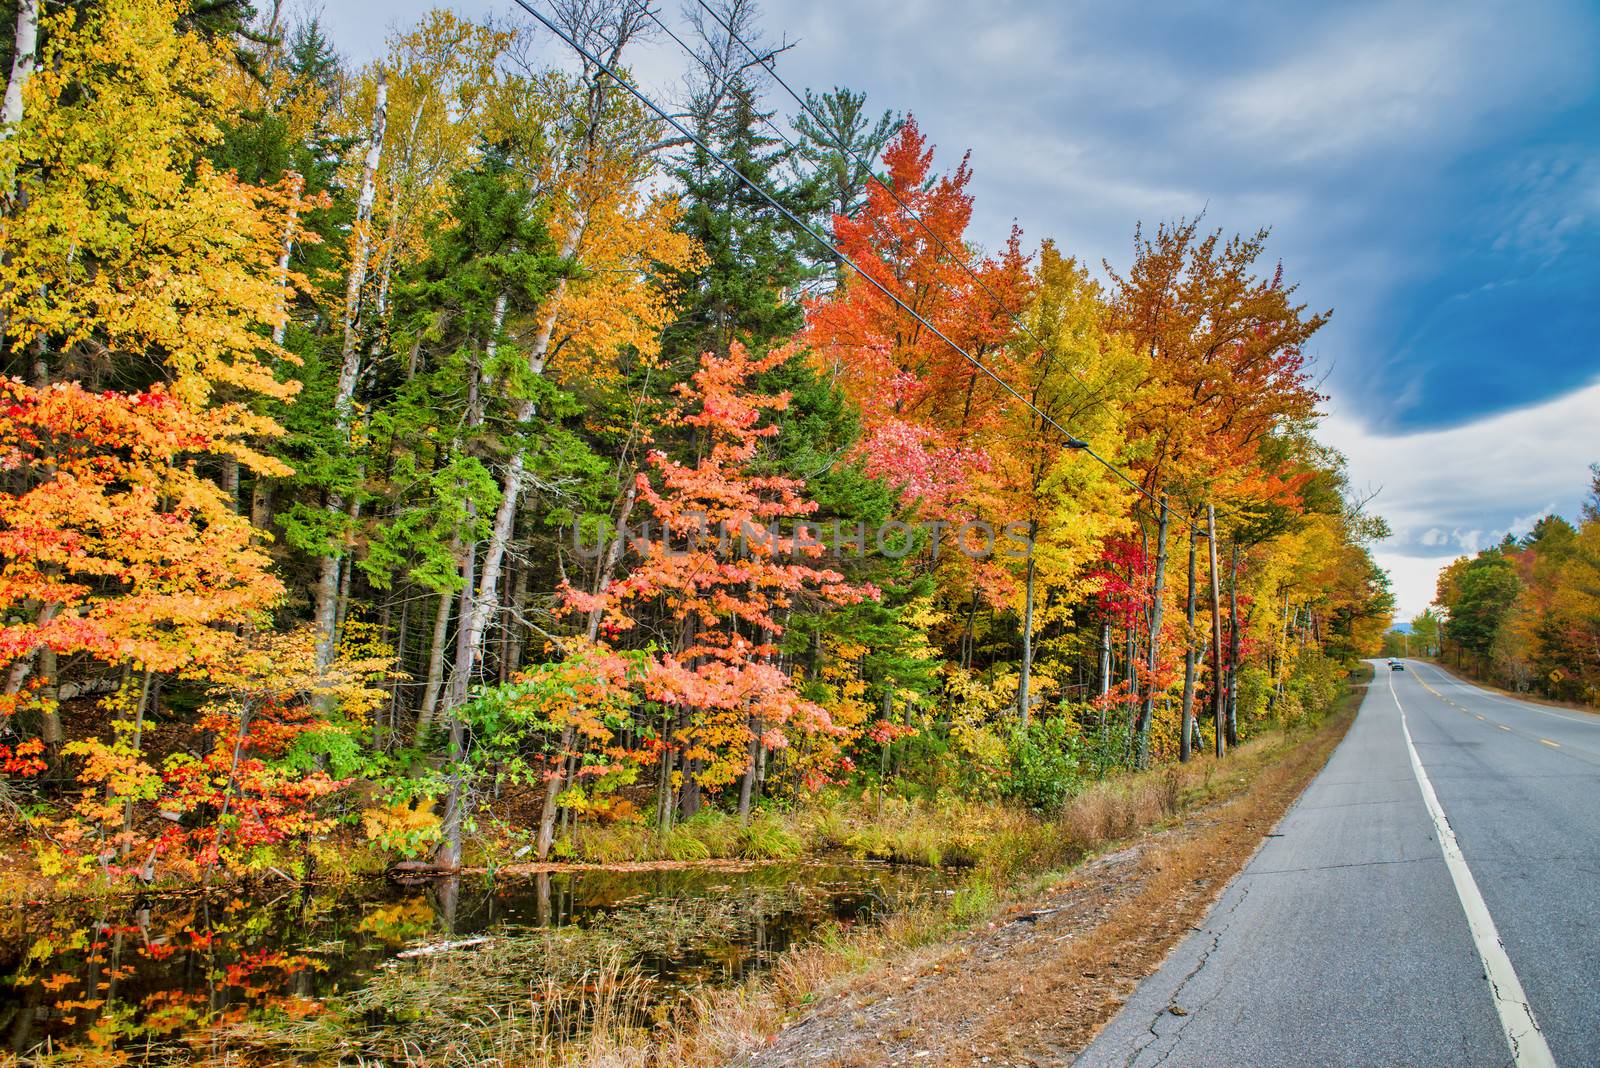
1343	941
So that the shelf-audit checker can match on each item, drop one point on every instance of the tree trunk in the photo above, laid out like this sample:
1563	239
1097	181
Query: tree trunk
966	634
261	503
350	353
22	64
1217	716
747	784
435	678
519	596
327	588
1024	697
1184	747
748	779
25	40
342	609
1155	640
138	744
448	855
1105	672
50	732
556	782
689	795
1233	649
1131	663
285	252
479	605
22	667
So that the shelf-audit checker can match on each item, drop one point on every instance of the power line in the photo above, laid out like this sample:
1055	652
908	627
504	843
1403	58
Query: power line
1073	441
768	63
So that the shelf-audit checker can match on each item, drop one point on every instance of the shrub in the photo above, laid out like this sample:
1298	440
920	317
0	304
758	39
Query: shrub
1046	765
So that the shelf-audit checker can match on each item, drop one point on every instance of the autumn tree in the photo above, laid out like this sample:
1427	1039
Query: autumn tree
726	573
924	404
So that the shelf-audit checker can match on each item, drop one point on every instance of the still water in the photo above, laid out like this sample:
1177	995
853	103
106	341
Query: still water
308	972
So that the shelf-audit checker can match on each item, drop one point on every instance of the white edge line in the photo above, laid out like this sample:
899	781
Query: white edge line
1528	1047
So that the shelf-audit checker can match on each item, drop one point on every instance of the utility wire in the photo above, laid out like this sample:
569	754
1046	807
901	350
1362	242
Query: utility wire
1072	442
768	62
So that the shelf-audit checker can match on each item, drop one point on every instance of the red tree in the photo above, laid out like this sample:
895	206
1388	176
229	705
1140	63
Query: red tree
926	408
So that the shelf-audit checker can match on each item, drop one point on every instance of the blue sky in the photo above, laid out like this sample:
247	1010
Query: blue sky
1430	171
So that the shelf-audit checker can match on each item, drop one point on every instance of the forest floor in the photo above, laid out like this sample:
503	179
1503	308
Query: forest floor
1033	985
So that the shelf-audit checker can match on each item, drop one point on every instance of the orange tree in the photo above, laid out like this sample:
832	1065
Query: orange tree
111	544
716	579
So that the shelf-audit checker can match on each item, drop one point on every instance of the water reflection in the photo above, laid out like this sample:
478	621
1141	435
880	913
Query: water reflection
198	975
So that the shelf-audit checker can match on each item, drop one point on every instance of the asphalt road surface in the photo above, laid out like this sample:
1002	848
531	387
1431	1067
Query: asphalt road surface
1436	909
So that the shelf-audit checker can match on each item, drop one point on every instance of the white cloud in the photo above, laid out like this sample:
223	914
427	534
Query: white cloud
1469	485
1401	77
1413	580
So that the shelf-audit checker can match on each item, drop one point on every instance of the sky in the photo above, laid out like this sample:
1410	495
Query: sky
1430	172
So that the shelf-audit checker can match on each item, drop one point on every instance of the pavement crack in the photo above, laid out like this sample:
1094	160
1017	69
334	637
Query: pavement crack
1177	1033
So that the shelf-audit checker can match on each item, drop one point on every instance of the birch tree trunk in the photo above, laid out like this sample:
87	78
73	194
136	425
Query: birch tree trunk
1025	679
22	64
1155	640
285	252
478	605
449	852
327	589
1189	653
1233	649
475	623
23	60
1217	715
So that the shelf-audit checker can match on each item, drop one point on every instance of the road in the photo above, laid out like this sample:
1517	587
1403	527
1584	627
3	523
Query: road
1361	934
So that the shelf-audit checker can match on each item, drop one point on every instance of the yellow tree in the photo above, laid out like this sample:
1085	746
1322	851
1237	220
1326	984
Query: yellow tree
130	261
124	248
1077	372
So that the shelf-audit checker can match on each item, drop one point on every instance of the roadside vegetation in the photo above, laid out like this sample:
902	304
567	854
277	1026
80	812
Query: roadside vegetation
590	1005
1524	613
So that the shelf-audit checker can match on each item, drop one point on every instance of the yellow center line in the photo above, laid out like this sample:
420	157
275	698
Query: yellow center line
1502	726
1552	745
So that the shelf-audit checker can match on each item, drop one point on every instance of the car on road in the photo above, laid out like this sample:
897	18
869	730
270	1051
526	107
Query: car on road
1396	665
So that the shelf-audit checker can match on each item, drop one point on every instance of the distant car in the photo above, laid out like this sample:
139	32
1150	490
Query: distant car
1395	665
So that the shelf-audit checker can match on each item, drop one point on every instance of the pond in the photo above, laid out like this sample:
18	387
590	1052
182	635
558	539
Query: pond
372	969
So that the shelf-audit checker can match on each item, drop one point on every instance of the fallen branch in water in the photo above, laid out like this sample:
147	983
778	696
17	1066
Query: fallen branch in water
441	947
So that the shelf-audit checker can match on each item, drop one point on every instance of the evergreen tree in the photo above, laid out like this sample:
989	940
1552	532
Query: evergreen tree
844	142
755	261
